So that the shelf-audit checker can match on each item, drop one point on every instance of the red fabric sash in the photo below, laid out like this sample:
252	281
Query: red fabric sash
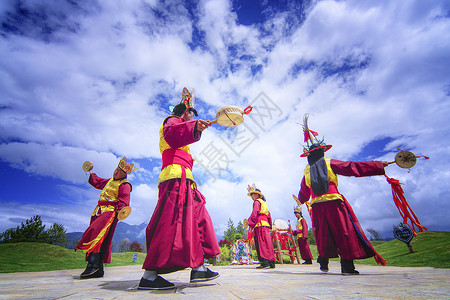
403	207
182	158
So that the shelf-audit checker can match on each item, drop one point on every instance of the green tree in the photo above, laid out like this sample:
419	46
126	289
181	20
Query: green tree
240	228
31	231
232	233
311	238
56	235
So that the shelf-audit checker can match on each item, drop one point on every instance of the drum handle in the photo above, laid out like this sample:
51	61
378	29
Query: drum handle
213	122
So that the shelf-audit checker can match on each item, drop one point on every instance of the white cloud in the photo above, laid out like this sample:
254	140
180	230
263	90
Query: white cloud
363	70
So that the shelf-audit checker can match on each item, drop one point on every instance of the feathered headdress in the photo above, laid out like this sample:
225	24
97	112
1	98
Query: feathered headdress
311	140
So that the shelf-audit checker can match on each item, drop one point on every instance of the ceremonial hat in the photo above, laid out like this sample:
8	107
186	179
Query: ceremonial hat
127	168
310	137
188	100
298	209
253	190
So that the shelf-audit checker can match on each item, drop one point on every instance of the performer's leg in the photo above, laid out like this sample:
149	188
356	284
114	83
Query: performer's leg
348	268
326	245
323	263
94	268
344	233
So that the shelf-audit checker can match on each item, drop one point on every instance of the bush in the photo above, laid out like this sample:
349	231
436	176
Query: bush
225	254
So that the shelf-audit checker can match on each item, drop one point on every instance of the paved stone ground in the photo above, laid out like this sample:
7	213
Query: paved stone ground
237	282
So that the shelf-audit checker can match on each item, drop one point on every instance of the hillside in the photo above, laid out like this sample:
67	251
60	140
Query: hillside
432	249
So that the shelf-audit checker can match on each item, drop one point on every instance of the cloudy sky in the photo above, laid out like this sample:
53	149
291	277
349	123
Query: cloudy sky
94	80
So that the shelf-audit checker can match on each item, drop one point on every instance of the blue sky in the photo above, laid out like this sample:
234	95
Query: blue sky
94	82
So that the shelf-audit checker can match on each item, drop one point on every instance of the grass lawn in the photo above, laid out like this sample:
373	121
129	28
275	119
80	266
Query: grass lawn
432	249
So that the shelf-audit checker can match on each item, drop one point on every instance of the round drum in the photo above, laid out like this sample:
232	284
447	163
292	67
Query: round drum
281	224
124	213
230	116
405	159
87	166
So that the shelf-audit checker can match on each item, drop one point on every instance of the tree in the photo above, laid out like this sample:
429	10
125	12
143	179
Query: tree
311	238
124	245
56	235
231	233
374	235
31	231
136	247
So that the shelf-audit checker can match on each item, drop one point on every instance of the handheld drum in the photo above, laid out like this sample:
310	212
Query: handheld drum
123	213
230	116
87	166
406	159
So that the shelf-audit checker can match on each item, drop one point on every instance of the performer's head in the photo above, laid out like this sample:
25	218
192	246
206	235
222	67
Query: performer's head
255	193
298	212
185	109
123	169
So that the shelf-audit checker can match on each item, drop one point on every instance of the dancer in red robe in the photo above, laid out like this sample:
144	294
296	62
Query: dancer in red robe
261	222
96	240
180	233
301	232
336	228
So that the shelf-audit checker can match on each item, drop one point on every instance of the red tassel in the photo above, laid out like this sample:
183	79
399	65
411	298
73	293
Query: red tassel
248	110
403	207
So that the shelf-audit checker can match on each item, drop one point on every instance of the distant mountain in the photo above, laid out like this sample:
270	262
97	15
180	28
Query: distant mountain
123	231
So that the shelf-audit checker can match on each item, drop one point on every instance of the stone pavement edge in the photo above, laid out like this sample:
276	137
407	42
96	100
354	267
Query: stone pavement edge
288	281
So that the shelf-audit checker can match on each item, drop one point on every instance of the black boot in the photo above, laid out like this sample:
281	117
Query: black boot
94	267
348	268
307	262
264	264
271	264
323	263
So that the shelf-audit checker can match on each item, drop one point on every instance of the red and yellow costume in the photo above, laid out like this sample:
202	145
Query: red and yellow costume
302	238
180	233
261	222
98	236
336	228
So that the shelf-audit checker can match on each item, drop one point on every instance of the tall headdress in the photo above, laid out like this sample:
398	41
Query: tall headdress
297	209
188	99
127	168
253	190
311	140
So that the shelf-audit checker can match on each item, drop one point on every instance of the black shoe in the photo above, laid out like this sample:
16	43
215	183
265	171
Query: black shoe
323	263
158	284
264	266
348	268
94	268
307	262
92	273
198	276
349	272
272	264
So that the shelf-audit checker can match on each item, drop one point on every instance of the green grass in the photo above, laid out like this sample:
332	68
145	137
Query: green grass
432	249
34	257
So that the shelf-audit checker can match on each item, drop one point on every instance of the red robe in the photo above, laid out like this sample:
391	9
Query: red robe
262	237
180	233
99	222
302	239
336	228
